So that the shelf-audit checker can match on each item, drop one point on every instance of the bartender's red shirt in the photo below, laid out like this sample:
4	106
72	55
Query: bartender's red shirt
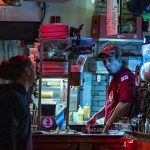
120	89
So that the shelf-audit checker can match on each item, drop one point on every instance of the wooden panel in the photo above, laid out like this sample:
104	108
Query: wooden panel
85	146
54	146
77	142
98	26
141	145
98	29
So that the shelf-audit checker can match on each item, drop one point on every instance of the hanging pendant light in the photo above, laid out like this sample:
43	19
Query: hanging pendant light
10	2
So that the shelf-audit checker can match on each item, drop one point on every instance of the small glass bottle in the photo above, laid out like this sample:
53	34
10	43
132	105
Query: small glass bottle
80	114
146	130
86	110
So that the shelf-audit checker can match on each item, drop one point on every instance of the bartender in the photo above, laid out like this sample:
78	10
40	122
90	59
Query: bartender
120	94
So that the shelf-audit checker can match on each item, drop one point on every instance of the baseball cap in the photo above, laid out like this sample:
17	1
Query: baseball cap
109	51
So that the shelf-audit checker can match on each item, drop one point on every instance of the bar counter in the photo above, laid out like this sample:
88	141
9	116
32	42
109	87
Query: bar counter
79	142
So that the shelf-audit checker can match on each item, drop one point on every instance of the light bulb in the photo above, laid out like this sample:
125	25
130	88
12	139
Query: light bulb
93	1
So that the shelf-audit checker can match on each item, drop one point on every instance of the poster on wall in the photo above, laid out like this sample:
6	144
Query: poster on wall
112	18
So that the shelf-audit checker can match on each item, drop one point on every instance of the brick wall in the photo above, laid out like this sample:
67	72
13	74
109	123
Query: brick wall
98	92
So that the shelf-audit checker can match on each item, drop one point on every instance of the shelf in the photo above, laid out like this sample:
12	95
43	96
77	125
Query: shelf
55	60
121	40
45	40
50	101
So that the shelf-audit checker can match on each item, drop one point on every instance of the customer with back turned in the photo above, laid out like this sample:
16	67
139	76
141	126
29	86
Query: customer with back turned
120	94
15	124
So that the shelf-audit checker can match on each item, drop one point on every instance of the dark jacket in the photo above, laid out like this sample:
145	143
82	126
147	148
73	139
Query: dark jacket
15	126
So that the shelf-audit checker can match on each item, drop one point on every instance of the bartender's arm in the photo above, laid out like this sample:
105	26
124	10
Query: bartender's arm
98	115
120	110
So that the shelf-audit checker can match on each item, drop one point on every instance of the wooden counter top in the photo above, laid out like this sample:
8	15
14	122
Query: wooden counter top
78	142
79	138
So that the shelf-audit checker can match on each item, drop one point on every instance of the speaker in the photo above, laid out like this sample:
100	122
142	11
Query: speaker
98	26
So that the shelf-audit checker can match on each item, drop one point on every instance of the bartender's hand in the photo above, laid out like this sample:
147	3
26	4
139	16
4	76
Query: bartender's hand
105	130
91	121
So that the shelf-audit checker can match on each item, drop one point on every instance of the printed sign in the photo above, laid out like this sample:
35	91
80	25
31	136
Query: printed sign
112	18
93	130
47	122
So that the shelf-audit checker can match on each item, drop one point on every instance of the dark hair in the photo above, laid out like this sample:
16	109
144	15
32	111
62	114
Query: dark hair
3	67
16	66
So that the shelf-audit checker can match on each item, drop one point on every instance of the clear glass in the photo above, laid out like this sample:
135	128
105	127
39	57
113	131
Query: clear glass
54	100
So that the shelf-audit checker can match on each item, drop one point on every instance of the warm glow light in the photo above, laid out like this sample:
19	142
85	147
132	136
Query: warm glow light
2	3
130	141
93	1
10	2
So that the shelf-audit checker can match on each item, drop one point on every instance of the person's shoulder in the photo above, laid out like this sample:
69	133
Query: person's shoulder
127	71
7	99
126	74
10	93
